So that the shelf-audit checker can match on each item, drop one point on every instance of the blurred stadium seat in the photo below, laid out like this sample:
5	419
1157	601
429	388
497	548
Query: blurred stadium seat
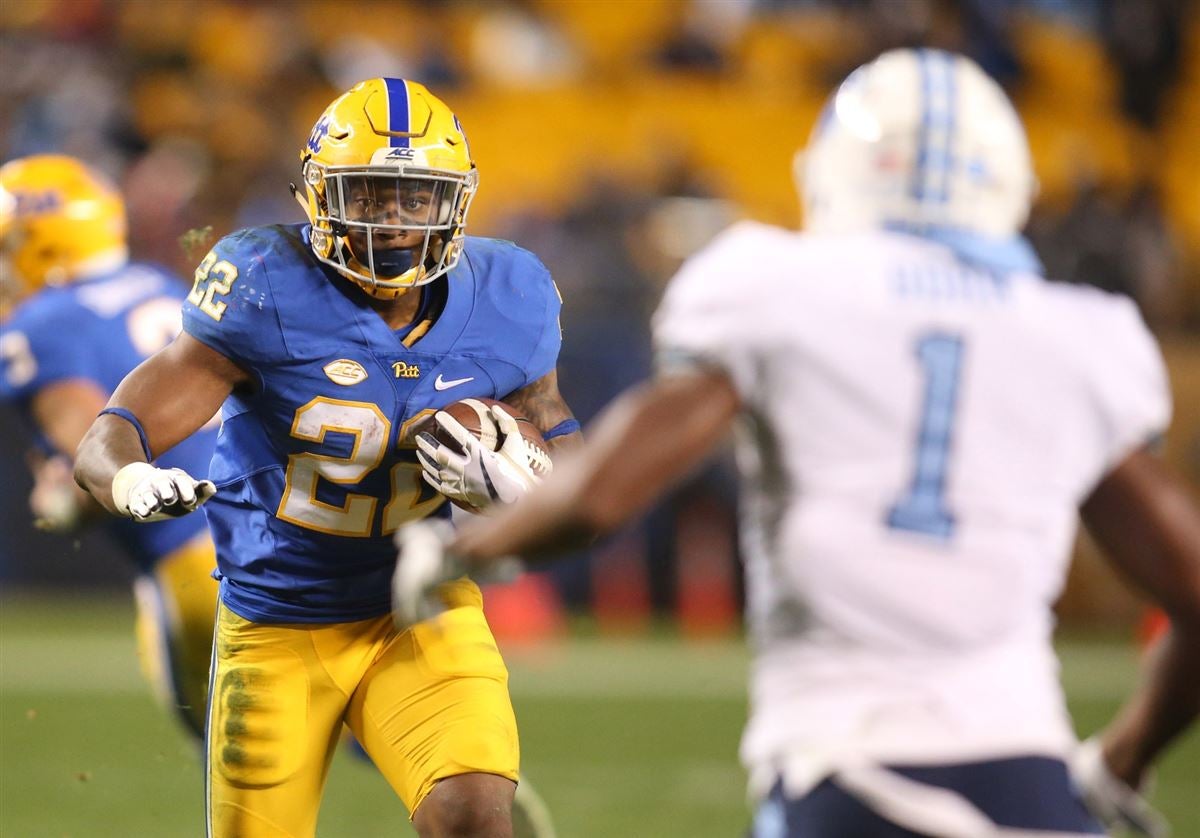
195	106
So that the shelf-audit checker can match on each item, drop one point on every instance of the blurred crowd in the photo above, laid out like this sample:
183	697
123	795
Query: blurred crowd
613	138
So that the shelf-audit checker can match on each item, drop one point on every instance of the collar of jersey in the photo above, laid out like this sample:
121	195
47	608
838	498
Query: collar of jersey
998	255
450	323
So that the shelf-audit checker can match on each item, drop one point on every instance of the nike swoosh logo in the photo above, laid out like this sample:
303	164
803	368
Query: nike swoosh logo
441	384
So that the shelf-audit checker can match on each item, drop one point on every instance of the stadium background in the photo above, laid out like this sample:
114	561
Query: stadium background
613	138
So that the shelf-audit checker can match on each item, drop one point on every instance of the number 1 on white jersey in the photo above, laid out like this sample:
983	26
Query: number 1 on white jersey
923	507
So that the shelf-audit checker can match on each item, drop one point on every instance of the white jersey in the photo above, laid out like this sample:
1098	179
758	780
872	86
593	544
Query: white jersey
917	439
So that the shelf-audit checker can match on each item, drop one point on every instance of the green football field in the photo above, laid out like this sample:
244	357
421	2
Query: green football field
624	737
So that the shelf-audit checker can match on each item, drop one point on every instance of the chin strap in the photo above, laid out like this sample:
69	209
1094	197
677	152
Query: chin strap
299	200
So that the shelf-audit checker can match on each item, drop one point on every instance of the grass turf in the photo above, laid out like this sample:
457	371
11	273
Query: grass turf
628	737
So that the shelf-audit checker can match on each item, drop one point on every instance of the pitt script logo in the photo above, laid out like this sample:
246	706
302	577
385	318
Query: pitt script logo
404	370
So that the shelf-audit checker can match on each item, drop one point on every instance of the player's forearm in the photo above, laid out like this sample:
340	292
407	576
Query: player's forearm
628	463
536	528
109	444
558	515
1168	701
1149	526
561	445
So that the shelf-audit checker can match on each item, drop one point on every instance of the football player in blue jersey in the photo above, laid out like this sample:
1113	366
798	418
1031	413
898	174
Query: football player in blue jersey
329	344
78	316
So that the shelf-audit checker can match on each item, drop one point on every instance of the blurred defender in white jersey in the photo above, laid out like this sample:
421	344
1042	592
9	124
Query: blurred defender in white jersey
920	418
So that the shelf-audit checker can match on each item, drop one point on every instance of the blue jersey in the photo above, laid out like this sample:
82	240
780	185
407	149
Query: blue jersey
98	330
316	466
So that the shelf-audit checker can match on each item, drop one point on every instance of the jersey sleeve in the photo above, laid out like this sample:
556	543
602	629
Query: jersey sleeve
704	318
41	347
546	306
231	307
516	312
1130	384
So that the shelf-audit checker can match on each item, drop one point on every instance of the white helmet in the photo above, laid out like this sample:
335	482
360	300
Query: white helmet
919	139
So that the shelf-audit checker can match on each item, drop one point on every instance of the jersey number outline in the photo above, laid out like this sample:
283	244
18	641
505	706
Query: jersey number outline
16	355
220	275
356	516
923	507
151	325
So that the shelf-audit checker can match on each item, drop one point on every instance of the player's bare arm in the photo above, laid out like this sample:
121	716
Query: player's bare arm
66	409
1150	529
645	442
542	403
172	394
62	411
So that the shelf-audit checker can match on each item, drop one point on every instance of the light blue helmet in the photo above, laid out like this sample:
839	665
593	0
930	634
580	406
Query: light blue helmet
921	139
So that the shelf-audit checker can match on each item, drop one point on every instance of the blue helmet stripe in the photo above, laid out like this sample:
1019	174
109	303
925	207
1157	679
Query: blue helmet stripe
917	188
397	90
946	61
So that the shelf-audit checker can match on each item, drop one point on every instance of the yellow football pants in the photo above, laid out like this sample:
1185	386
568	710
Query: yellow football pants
176	608
425	704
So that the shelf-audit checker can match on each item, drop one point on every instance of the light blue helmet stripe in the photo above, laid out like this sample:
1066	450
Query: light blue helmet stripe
917	188
397	90
949	91
935	156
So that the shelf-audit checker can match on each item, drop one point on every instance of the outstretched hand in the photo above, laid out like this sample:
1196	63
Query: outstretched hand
1110	799
147	493
423	564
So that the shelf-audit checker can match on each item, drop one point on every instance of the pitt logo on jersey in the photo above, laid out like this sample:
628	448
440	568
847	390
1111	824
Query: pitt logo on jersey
404	370
345	372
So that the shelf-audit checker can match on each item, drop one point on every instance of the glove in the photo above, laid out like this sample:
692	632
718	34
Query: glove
1110	799
423	564
146	493
54	500
480	477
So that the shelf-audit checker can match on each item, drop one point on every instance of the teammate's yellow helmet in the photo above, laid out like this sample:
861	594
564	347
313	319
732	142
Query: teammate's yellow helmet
59	221
388	180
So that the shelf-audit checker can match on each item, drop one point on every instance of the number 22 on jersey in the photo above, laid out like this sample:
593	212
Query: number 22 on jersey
922	509
356	515
220	276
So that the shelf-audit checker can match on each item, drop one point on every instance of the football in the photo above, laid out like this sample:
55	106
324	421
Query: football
473	415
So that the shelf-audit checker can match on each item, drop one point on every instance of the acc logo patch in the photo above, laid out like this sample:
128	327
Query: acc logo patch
345	372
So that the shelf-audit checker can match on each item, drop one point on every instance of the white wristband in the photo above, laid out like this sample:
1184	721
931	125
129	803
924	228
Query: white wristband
126	478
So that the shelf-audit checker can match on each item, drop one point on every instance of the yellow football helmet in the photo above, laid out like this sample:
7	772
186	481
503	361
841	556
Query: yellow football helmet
388	180
59	221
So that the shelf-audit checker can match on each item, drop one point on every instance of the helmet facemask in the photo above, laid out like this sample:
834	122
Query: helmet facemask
389	228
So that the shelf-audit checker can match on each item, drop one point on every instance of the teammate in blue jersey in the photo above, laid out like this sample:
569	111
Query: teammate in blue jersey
77	317
329	345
